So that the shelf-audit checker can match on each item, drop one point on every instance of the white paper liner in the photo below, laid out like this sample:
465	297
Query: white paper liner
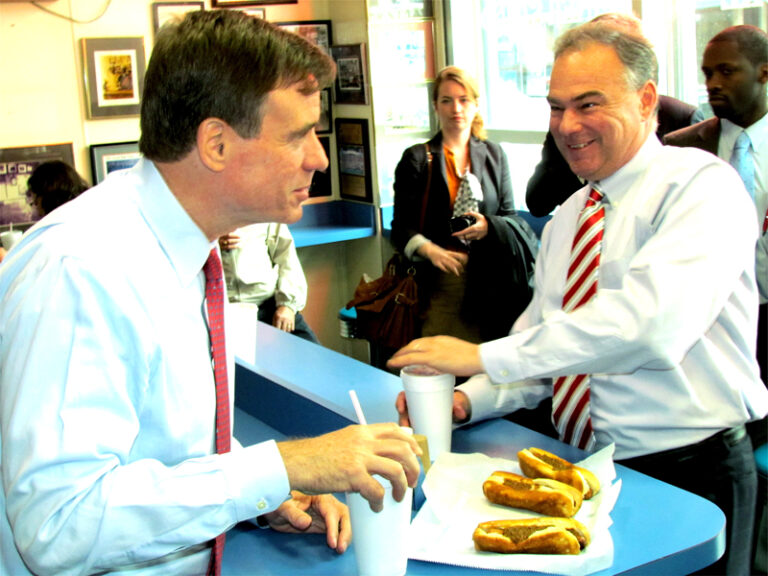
455	505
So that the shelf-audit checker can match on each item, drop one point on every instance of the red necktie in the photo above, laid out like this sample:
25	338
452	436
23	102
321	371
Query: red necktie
765	223
570	400
214	297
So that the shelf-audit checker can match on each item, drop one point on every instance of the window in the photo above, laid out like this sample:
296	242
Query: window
508	47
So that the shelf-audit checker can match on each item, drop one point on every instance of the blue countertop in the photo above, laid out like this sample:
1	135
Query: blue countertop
298	388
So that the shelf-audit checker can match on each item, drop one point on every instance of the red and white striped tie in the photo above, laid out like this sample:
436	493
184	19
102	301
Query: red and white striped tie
214	297
570	400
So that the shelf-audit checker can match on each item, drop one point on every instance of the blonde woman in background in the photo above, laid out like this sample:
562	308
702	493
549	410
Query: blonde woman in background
470	274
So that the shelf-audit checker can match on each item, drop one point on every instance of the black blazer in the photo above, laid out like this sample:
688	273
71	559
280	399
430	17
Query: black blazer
553	182
488	163
704	135
500	268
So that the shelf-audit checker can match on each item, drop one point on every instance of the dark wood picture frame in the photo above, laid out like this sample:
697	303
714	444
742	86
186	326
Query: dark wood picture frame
325	126
16	166
106	158
354	157
164	11
318	32
351	74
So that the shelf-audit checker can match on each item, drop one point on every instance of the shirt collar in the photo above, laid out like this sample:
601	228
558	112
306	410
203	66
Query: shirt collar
615	186
758	132
180	238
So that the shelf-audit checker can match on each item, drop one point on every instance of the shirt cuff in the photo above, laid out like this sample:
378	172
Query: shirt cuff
411	249
496	357
482	397
257	479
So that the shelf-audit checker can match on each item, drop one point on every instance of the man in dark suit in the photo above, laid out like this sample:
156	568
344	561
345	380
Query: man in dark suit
735	66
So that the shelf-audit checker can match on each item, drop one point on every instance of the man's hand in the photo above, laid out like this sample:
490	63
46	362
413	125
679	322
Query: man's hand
284	319
229	241
314	515
446	260
442	353
345	460
462	408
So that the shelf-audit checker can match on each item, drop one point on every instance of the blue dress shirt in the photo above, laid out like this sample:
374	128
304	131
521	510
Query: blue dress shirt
107	396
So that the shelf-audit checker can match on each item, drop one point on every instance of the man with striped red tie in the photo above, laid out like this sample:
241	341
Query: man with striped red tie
643	332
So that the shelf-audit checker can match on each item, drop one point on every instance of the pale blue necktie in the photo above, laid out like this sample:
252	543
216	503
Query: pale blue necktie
742	161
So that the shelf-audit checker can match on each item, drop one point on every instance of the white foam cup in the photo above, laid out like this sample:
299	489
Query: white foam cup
380	539
10	238
429	395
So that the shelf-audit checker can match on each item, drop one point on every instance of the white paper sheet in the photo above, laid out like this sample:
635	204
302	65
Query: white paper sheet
442	530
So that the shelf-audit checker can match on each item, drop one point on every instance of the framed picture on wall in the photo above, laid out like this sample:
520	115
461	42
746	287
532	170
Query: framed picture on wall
114	75
351	79
16	166
321	181
325	126
164	11
316	31
259	13
354	158
226	3
106	158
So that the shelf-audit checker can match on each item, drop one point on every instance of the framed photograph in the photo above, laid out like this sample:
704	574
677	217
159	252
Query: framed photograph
354	158
321	181
164	11
16	166
114	75
316	31
228	3
106	158
259	13
325	125
351	77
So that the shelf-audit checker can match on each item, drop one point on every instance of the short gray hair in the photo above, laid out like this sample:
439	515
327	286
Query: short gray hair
634	51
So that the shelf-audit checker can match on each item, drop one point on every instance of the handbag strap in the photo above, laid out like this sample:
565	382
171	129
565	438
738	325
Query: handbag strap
426	191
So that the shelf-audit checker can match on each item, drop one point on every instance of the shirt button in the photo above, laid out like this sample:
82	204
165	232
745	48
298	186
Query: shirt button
262	504
504	373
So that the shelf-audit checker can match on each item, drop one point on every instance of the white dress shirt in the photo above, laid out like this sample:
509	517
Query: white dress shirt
758	135
670	336
265	264
107	396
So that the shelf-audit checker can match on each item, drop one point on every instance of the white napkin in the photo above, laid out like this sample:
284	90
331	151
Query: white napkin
455	505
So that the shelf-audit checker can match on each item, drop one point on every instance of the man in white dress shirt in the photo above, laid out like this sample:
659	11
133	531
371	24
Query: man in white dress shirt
668	339
108	404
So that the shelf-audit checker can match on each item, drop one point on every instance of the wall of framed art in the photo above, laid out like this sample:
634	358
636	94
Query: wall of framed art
44	100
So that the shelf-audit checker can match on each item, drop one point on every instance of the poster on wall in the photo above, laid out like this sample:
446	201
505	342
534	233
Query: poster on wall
16	166
354	158
351	78
114	75
317	32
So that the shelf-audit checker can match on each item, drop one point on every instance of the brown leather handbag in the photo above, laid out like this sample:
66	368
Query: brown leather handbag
388	312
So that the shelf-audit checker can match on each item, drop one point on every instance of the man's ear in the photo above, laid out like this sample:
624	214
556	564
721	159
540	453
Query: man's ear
763	73
211	145
649	99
